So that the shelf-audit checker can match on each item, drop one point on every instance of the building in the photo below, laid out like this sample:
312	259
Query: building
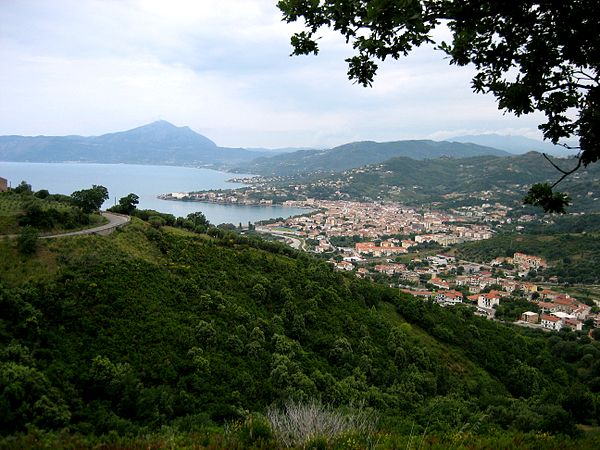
528	262
3	184
362	272
344	265
424	294
488	300
551	322
449	297
530	317
439	283
364	248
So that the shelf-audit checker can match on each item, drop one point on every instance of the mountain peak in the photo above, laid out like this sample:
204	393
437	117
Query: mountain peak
159	125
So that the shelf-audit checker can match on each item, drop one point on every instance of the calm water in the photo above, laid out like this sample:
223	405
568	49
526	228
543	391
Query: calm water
145	181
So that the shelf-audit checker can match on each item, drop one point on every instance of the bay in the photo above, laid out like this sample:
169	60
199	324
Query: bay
147	182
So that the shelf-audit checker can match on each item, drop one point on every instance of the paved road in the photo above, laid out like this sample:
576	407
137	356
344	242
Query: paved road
114	221
292	241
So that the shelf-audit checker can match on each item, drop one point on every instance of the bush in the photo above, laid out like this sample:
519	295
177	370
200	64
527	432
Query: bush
298	424
27	241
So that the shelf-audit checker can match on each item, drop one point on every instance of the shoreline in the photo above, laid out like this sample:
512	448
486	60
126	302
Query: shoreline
217	202
229	203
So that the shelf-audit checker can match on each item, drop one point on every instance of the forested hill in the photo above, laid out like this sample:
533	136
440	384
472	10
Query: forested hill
157	329
444	179
358	154
156	143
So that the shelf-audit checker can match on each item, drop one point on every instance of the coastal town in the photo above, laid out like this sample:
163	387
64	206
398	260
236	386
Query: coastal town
411	248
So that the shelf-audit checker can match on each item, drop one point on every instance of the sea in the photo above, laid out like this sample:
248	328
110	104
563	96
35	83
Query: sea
147	182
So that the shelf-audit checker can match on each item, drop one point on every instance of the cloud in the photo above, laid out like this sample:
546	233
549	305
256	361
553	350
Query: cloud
221	67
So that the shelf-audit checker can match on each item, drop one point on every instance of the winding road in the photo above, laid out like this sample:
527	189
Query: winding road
292	241
114	221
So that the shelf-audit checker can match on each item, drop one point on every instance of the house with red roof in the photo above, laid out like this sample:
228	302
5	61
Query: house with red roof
551	322
445	298
439	283
488	300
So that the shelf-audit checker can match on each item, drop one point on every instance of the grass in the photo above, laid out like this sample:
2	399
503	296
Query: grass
12	206
16	269
303	424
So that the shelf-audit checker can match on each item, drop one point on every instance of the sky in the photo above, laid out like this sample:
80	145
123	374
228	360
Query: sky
223	68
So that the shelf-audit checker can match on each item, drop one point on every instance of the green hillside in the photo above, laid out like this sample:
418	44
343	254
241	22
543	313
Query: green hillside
453	181
358	154
573	257
163	332
42	211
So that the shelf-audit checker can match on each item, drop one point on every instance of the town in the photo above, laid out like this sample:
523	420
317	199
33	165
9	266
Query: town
410	248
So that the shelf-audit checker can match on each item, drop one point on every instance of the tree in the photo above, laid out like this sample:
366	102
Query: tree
531	55
127	204
90	200
23	188
198	220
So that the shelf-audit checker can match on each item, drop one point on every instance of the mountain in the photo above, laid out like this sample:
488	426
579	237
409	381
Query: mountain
358	154
449	179
156	143
515	144
274	151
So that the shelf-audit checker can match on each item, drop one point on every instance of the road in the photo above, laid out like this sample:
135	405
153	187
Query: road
292	241
114	221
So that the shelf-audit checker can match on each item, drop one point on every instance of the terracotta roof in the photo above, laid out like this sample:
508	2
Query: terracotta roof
550	318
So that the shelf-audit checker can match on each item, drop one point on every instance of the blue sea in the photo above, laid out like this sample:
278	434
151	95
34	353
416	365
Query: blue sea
145	181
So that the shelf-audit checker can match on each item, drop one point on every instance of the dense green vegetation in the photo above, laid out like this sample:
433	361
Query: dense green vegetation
21	207
574	257
155	327
452	182
508	178
359	154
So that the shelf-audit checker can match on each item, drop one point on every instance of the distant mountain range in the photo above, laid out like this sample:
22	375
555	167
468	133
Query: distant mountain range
358	154
156	143
164	143
426	181
515	144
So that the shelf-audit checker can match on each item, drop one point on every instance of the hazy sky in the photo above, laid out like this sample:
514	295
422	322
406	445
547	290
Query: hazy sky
223	68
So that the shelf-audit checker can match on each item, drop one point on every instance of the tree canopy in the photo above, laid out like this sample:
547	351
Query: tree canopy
531	55
90	200
127	205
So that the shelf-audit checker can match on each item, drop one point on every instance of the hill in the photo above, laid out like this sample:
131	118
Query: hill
515	144
570	245
45	212
156	143
156	329
358	154
457	181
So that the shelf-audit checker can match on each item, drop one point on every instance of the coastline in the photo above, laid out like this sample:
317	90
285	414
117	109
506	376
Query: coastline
222	201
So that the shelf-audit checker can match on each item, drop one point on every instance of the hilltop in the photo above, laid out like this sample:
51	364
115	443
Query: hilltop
358	154
157	143
164	143
515	144
453	181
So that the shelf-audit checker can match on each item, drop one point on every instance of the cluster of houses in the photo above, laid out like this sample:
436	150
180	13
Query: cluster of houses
372	221
522	262
556	310
484	289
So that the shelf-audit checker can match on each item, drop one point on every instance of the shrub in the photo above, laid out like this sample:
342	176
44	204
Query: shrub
27	241
298	424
